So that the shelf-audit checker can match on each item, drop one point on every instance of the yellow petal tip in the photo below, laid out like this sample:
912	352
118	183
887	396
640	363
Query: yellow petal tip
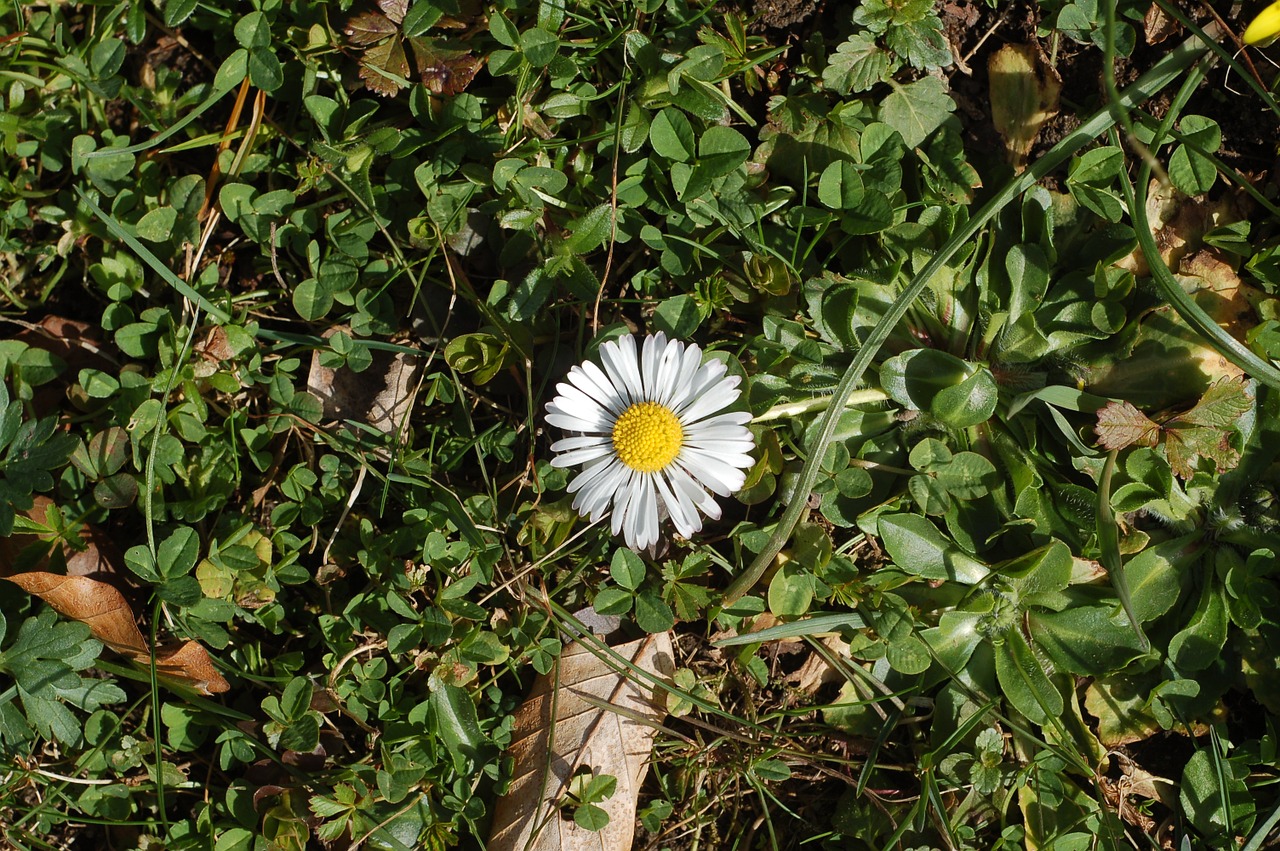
1265	27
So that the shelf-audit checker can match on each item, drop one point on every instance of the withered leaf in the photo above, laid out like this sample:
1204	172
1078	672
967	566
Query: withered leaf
394	9
385	68
446	71
369	28
109	617
1121	425
590	713
1205	431
1024	92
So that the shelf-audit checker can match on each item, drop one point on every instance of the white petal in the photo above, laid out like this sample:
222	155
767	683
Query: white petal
645	507
684	514
589	474
724	449
618	357
591	380
575	403
571	423
650	354
715	398
567	444
716	431
581	456
698	455
711	472
669	372
596	497
694	492
688	368
623	495
737	418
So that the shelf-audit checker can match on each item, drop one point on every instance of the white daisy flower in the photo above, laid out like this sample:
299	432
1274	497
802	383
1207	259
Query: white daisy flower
646	427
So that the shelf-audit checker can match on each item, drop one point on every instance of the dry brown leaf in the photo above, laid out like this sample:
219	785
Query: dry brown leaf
548	749
380	395
816	670
1158	26
1024	95
109	617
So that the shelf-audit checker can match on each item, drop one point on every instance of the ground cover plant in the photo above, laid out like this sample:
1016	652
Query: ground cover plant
287	289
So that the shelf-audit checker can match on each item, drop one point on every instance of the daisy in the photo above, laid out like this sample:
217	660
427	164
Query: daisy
648	430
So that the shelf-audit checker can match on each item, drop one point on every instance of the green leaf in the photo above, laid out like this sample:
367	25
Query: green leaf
917	109
1213	795
922	43
1190	171
253	30
177	11
1085	640
627	569
678	316
917	547
612	601
590	817
1153	575
157	225
1042	570
671	135
968	403
265	70
1199	644
857	65
454	720
721	150
539	46
591	230
312	299
840	186
652	613
1024	682
957	393
177	554
480	353
1092	181
232	70
1206	430
791	590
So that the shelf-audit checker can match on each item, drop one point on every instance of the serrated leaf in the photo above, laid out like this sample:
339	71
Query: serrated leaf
1121	425
445	69
917	109
384	67
857	65
922	43
370	28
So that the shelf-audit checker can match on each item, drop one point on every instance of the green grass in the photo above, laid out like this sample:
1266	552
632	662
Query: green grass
1002	575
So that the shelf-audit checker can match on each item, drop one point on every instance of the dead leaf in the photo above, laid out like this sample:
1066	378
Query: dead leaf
369	28
1205	431
1157	26
1121	425
1024	95
381	395
446	69
109	617
816	670
548	749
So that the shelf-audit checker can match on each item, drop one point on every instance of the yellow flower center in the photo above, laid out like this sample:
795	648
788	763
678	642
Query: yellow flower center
647	437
